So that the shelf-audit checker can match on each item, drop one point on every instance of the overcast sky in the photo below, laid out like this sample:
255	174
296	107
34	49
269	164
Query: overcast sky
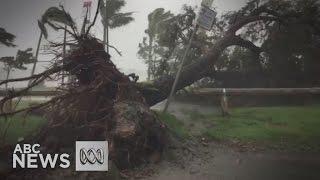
19	17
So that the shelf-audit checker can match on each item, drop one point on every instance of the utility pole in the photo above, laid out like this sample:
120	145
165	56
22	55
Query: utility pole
64	52
176	80
205	20
36	58
106	30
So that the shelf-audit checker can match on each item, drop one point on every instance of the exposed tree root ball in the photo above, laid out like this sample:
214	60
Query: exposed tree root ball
137	134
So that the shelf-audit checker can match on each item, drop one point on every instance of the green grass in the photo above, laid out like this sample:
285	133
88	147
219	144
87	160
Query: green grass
289	126
20	126
292	127
174	125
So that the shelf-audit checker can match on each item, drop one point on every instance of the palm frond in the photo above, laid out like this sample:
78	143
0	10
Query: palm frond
54	14
155	18
7	60
120	19
25	57
53	17
6	38
113	15
113	6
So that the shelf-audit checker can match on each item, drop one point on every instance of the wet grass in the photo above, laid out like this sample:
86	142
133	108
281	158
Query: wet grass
18	127
289	127
292	127
173	124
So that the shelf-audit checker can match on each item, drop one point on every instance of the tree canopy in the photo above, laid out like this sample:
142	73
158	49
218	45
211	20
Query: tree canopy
113	15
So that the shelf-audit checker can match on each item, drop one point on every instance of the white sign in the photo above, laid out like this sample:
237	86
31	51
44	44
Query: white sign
92	156
206	17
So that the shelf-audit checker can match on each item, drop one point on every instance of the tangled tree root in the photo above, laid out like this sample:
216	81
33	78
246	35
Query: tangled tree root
105	104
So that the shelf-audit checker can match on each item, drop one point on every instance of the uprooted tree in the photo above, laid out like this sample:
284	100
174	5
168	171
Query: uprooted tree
104	104
101	104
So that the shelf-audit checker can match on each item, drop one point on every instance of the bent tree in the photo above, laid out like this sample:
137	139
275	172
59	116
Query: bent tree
103	103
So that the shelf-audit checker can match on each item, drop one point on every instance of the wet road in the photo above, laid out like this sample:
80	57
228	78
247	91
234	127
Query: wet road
221	162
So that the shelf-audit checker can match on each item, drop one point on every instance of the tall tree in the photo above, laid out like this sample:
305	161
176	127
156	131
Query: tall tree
112	17
169	36
22	58
147	49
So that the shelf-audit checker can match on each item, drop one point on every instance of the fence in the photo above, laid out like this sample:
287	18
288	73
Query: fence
216	91
220	92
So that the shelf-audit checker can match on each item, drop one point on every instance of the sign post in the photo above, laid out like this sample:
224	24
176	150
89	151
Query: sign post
205	20
206	17
173	89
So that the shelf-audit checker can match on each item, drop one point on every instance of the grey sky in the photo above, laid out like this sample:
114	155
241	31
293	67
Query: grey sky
20	18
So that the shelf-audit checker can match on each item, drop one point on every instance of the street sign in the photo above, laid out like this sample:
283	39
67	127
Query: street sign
206	17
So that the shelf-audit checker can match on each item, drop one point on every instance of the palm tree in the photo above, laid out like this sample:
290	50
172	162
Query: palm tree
22	58
57	18
112	17
155	18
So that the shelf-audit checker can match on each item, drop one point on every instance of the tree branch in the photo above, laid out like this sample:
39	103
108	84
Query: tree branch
28	109
113	47
264	9
45	73
247	44
247	20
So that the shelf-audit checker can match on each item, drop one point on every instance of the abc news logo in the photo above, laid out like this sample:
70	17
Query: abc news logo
90	156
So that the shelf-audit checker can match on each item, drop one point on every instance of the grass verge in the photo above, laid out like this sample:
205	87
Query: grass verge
291	127
19	127
174	125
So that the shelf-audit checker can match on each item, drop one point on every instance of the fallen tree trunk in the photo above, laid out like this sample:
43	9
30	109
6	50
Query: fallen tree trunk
160	88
